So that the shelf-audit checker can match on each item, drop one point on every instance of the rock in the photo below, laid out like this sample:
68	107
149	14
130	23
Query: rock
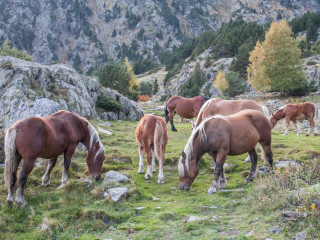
291	214
89	181
123	159
104	131
117	194
113	176
231	190
300	236
106	124
111	116
263	170
159	108
140	208
274	105
45	225
209	207
112	229
275	230
316	201
33	89
194	218
286	164
250	233
155	198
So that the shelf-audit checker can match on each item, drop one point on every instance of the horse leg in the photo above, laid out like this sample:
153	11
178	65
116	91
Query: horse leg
223	180
161	163
141	154
153	161
312	125
287	126
181	119
46	176
221	157
268	152
254	159
171	114
28	165
13	181
297	127
149	162
67	161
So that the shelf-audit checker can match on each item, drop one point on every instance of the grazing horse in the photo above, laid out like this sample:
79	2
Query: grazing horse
152	138
220	136
185	107
48	137
294	112
227	107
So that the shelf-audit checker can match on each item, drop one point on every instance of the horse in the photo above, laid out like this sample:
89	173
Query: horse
220	136
48	137
152	138
294	112
185	107
227	107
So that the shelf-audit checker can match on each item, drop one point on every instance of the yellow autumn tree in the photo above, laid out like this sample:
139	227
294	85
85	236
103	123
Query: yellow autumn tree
220	82
133	78
256	70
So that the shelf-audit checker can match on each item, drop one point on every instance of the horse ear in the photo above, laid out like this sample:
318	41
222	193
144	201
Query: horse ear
183	154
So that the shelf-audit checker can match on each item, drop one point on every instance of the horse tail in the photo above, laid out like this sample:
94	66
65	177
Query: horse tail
158	140
166	112
315	115
11	162
265	111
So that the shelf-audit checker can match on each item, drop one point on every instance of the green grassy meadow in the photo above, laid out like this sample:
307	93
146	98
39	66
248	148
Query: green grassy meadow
80	210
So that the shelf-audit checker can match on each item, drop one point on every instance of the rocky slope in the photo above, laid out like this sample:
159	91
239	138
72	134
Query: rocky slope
32	89
83	33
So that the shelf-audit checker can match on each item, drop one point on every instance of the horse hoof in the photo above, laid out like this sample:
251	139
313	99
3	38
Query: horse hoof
140	171
248	180
160	181
10	200
307	135
21	203
223	186
46	184
316	134
153	171
147	177
174	130
62	185
212	191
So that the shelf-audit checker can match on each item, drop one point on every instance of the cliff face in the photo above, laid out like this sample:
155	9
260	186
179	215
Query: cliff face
83	33
32	89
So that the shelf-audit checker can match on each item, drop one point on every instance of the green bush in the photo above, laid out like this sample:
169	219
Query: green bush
108	104
237	85
311	63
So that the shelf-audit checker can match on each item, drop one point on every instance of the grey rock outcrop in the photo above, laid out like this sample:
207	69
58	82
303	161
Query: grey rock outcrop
113	176
32	89
117	194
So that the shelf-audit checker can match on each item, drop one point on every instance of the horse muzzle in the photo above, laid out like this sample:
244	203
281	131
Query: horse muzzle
96	177
184	186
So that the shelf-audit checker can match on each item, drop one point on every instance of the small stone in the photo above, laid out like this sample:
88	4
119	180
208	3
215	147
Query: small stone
300	236
286	164
106	124
194	218
249	233
268	239
173	187
155	198
139	208
214	218
231	190
117	194
275	230
45	225
89	181
316	201
263	170
113	176
108	132
37	165
112	229
158	207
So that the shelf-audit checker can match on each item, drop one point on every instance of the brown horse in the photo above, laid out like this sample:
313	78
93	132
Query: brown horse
221	136
48	137
227	107
151	135
185	107
294	112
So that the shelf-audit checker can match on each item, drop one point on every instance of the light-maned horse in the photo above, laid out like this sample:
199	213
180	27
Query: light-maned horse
216	106
152	138
294	112
185	108
48	137
220	136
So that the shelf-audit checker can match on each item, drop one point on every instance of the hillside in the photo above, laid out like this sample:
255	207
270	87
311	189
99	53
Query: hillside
84	33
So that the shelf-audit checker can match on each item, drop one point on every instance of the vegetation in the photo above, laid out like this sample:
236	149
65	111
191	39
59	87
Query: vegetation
146	88
220	82
192	87
155	87
236	84
108	104
7	50
80	211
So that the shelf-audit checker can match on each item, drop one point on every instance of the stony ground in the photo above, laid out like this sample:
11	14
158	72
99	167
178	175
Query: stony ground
280	205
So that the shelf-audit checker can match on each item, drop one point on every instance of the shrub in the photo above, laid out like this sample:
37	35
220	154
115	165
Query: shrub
237	85
108	104
144	98
311	63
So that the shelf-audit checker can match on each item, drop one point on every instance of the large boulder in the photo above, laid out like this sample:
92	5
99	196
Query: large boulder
32	89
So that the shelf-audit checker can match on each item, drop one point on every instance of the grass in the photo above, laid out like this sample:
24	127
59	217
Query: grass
80	211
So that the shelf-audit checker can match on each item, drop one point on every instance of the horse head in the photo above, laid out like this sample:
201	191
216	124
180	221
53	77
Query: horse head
95	154
188	171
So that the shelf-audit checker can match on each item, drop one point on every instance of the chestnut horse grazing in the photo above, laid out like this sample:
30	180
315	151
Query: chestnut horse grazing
294	112
48	137
227	107
152	138
185	107
220	136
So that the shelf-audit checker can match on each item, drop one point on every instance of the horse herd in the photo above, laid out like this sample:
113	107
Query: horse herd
222	128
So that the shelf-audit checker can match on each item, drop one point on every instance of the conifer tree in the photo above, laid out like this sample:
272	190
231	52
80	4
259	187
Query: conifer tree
220	82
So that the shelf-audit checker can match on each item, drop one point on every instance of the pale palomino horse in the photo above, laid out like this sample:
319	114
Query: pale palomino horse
48	137
221	136
294	112
219	106
152	138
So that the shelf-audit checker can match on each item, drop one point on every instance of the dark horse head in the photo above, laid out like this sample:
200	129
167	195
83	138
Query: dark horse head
95	155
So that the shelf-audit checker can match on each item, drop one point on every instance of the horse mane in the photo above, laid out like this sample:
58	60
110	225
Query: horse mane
202	109
188	149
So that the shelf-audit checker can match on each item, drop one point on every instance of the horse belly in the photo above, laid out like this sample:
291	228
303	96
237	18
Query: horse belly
185	111
243	143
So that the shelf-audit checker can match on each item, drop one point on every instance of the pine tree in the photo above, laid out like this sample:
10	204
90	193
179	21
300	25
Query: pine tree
155	87
282	60
220	82
7	50
257	75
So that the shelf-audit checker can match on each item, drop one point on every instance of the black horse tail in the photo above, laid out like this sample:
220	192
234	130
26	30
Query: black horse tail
206	98
166	113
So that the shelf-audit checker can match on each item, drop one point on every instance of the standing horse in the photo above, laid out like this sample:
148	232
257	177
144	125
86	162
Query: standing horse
227	107
294	112
185	107
48	137
152	138
221	136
